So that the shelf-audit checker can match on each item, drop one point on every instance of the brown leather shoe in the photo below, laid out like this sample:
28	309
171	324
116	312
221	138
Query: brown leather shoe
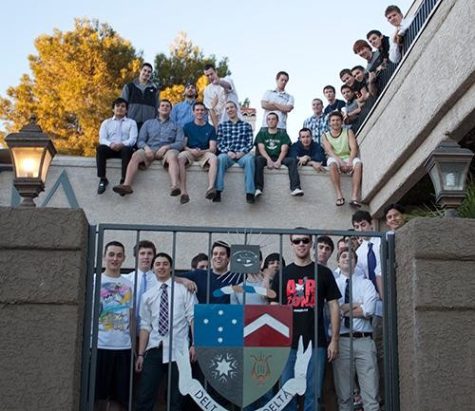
123	189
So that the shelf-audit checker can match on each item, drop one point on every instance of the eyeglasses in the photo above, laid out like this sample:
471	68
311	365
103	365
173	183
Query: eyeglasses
297	241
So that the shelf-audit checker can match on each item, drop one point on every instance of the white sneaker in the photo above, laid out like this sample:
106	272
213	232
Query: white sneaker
257	193
297	192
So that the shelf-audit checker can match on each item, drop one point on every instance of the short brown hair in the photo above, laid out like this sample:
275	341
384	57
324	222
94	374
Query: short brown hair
360	44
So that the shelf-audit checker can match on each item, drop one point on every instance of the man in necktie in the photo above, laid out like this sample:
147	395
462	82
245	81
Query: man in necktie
155	353
356	332
369	263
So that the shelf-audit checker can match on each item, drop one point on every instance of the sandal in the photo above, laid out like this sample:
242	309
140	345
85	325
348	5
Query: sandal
340	202
355	204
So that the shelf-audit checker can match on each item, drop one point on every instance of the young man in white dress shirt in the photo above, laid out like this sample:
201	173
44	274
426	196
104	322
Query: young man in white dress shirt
361	302
155	353
117	137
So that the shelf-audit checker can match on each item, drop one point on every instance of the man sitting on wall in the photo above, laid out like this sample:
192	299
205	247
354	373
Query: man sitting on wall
307	151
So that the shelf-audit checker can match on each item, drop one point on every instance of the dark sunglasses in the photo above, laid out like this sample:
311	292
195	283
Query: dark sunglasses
304	240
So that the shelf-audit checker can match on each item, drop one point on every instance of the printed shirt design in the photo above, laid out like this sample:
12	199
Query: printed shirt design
301	293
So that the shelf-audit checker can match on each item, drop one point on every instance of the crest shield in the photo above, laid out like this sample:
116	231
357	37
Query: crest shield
242	350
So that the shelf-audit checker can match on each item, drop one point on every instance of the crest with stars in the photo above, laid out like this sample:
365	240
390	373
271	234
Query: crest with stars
242	350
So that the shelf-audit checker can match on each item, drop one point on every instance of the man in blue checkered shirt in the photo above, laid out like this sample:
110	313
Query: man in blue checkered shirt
235	145
318	122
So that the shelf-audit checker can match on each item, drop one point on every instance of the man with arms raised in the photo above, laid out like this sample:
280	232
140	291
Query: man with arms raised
113	338
234	146
159	139
278	101
299	290
200	145
217	93
142	96
272	148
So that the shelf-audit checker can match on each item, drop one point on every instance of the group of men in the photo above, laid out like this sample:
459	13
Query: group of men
355	317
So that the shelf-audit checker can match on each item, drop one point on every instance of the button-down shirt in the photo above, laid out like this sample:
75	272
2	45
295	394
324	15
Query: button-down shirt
182	113
215	92
394	48
236	137
118	130
151	279
183	307
364	294
318	125
279	97
156	133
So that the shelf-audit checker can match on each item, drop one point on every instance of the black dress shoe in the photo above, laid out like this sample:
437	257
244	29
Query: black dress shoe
250	198
102	186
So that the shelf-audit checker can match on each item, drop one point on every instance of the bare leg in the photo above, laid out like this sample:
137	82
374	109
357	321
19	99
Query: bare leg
356	182
335	178
213	169
173	170
132	168
182	174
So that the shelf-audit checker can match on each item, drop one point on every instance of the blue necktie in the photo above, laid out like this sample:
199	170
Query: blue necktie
371	264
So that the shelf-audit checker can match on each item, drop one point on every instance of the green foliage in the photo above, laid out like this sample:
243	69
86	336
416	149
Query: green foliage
74	78
185	63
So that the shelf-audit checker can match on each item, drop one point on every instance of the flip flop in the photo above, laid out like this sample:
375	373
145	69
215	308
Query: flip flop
340	202
355	203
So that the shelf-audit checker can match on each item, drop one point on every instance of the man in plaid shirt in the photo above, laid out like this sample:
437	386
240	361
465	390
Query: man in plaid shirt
235	145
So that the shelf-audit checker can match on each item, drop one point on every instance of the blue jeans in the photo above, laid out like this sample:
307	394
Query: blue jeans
288	373
246	162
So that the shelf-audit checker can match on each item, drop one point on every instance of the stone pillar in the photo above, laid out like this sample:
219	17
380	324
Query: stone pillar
43	262
436	313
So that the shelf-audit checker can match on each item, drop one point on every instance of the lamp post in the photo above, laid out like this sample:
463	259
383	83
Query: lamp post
32	152
447	166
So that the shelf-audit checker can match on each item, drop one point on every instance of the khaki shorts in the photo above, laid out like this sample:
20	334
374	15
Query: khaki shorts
164	160
203	159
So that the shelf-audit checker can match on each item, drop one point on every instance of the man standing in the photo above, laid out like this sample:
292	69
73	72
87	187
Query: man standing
200	145
316	123
113	339
144	252
217	93
357	305
396	19
155	328
307	151
299	289
272	148
333	103
325	247
117	137
219	276
278	101
234	146
182	113
142	96
159	139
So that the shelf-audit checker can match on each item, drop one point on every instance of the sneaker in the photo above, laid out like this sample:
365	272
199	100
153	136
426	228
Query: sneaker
123	189
217	197
102	186
298	192
257	193
250	198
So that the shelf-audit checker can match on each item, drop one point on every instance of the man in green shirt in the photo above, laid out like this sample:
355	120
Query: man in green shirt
272	145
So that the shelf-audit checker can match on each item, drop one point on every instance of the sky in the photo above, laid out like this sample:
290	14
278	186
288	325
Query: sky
311	40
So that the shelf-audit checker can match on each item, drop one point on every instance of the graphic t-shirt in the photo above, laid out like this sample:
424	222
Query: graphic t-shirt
273	142
115	303
299	290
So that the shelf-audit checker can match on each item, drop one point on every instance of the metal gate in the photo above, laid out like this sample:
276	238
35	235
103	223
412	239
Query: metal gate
171	239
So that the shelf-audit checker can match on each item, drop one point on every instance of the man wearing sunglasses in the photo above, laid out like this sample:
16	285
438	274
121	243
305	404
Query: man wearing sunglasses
298	288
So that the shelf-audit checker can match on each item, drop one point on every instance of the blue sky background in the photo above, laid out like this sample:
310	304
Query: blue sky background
312	40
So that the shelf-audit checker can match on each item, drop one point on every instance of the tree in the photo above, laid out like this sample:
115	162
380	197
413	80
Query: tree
74	78
185	63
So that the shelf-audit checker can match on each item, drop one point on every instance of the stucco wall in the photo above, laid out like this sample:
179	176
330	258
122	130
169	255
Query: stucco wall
436	314
42	286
